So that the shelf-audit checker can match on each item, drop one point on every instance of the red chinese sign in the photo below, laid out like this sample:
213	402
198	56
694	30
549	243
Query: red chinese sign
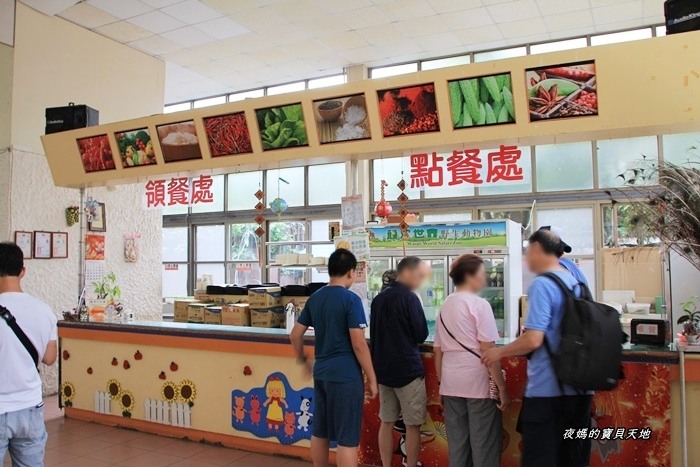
469	166
178	191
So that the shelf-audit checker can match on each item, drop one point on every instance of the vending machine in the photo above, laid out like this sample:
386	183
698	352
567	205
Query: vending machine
498	242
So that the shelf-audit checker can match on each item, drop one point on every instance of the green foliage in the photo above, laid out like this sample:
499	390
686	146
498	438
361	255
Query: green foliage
282	127
107	288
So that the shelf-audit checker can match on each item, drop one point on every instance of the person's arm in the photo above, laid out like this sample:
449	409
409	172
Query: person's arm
51	353
416	315
497	376
296	337
437	352
359	346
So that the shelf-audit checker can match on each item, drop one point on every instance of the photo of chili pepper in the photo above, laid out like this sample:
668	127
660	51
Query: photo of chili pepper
408	110
228	134
562	91
96	153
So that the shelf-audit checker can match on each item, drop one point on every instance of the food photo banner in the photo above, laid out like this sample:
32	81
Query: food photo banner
524	101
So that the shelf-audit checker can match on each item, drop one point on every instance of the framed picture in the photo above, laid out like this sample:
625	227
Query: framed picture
342	119
135	147
282	127
59	245
24	240
408	110
96	153
228	134
179	141
562	91
482	100
98	222
42	245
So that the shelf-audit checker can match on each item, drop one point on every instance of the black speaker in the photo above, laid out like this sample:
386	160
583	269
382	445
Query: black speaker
70	117
682	15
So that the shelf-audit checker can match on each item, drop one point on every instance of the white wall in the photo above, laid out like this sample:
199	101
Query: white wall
56	62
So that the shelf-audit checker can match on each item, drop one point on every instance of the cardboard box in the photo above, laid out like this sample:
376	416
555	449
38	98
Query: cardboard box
212	315
195	312
265	297
299	302
226	299
267	317
180	309
235	314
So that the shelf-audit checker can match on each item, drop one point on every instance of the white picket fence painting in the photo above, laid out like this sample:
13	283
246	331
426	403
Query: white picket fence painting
103	402
175	413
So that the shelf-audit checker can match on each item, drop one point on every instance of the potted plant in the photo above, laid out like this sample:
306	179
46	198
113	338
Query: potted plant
690	320
107	294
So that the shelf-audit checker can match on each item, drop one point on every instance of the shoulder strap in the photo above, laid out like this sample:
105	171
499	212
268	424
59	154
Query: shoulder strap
12	323
567	291
442	321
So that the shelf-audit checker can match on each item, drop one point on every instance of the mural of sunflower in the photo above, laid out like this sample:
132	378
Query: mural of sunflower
114	387
126	399
187	392
170	391
67	393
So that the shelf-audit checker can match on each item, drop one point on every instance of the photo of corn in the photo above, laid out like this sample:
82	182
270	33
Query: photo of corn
486	100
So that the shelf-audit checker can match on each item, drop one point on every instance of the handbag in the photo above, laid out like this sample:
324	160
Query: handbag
12	323
494	392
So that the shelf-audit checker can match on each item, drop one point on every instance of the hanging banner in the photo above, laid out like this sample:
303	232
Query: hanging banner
352	212
440	236
473	167
178	191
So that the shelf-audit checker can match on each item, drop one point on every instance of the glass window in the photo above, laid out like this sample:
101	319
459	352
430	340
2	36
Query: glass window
292	231
621	227
241	190
445	62
558	45
245	273
393	70
168	109
437	218
217	271
326	183
174	244
577	224
175	210
287	184
500	54
463	190
616	156
660	31
210	242
512	187
284	88
521	216
244	242
319	232
217	190
327	81
624	36
209	101
564	166
390	170
239	96
681	148
174	278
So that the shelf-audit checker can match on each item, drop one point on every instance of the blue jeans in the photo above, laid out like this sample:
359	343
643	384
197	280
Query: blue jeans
23	433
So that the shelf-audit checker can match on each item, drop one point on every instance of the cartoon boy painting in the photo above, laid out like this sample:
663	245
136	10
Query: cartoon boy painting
275	392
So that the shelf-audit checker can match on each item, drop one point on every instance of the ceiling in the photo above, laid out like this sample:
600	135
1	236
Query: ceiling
217	46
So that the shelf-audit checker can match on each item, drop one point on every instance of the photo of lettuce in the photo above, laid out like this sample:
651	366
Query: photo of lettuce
282	127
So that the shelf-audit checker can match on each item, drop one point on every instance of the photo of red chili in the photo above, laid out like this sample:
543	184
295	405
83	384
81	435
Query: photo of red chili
228	134
96	153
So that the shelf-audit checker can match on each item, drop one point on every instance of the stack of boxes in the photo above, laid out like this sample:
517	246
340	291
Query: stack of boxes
266	310
235	314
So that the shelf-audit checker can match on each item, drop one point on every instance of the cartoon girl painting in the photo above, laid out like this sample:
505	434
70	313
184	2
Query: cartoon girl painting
275	392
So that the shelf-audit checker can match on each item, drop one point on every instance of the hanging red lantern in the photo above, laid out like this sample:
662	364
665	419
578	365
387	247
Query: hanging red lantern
383	207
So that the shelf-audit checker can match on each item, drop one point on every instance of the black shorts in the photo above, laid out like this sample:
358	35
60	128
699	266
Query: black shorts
338	408
542	423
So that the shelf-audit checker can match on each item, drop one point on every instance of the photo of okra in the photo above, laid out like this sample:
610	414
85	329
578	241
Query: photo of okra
486	100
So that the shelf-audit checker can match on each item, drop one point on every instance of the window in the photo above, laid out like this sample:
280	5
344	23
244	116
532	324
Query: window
289	233
621	229
660	31
326	183
244	255
390	170
521	216
564	166
393	70
177	107
210	101
284	88
217	190
577	224
174	257
239	96
616	156
558	45
512	187
447	217
682	148
287	184
500	54
445	62
174	210
624	36
241	190
210	252
327	81
319	233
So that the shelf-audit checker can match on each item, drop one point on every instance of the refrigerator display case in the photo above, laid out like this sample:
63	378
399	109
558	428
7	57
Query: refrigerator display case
499	243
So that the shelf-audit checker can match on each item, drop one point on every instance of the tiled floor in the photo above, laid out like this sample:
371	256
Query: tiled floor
80	444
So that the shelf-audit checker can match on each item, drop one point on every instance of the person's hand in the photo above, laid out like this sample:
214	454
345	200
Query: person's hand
504	403
373	389
491	356
308	369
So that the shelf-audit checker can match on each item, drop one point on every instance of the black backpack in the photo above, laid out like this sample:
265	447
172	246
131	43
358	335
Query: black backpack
589	357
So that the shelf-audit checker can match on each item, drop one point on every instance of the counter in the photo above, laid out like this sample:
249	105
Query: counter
241	387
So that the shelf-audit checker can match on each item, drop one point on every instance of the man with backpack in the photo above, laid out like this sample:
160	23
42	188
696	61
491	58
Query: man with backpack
567	360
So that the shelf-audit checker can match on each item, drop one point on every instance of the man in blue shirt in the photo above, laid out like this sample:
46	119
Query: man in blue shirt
342	354
564	262
397	328
549	408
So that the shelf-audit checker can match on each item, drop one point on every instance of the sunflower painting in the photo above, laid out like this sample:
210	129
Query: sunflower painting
114	387
67	393
126	399
170	391
187	392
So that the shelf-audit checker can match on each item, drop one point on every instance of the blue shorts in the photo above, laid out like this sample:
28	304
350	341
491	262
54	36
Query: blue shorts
338	408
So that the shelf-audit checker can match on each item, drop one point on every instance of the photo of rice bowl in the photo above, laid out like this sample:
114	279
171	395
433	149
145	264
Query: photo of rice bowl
179	141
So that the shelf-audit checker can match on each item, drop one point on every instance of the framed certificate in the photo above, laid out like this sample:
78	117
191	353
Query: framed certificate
59	245
42	245
24	240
